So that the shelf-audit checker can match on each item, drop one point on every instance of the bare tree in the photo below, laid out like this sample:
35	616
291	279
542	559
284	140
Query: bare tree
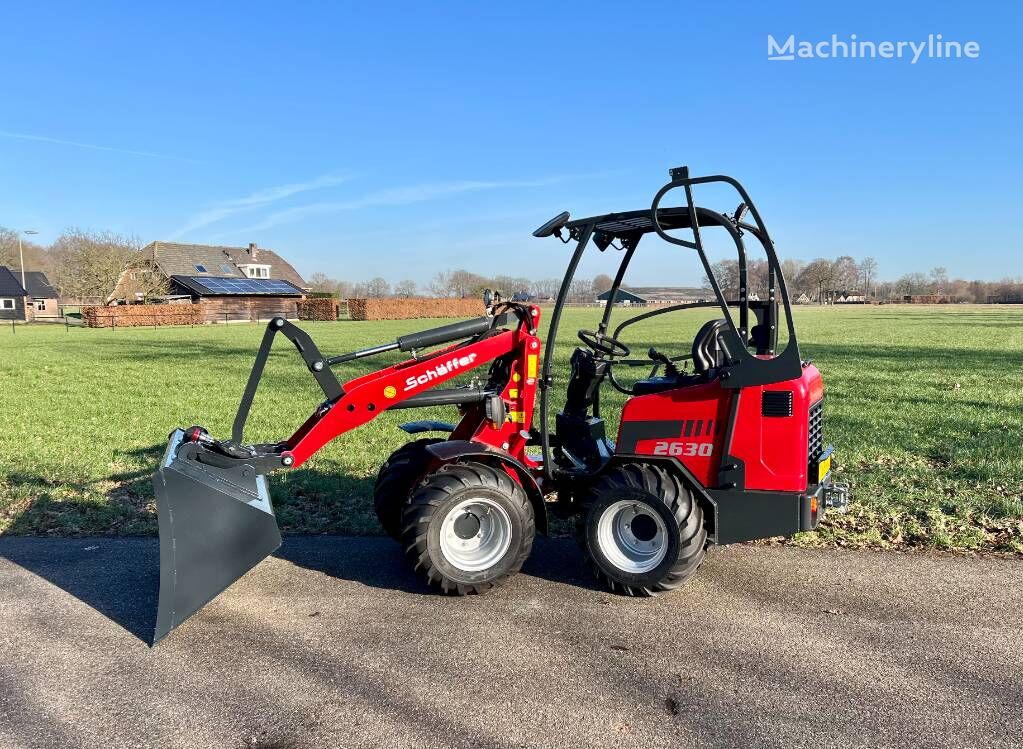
509	286
90	265
377	287
845	274
602	283
438	286
141	280
545	288
36	257
726	273
323	283
868	268
912	283
818	277
463	283
581	290
405	288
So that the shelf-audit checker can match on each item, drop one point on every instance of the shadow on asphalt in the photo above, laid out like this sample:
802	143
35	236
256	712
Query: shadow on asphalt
120	577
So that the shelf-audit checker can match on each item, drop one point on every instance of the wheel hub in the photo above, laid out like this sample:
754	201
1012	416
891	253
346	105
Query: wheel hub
467	526
475	534
632	536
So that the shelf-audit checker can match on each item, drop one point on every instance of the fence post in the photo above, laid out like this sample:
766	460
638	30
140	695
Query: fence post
12	326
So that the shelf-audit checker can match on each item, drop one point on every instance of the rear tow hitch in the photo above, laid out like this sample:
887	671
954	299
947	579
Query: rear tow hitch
836	496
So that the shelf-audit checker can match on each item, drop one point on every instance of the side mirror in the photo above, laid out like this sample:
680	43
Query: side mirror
488	298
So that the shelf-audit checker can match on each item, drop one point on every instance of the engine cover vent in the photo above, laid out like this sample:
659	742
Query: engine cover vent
776	403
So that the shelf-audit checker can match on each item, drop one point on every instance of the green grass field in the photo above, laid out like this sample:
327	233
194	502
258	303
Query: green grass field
925	406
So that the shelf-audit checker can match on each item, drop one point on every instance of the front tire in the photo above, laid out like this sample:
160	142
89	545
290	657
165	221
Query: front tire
467	528
641	530
398	476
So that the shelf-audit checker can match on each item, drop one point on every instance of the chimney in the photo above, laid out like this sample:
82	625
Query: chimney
253	251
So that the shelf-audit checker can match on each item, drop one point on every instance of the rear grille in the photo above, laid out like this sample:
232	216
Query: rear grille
816	430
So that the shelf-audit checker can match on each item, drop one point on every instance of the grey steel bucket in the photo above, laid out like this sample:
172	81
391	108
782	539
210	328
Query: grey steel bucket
215	525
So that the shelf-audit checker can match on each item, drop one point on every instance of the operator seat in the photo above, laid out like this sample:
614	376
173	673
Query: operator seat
708	352
708	356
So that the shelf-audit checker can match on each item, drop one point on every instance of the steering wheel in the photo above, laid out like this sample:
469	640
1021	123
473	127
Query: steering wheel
603	344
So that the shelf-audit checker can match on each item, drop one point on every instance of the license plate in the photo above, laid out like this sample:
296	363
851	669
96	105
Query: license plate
823	468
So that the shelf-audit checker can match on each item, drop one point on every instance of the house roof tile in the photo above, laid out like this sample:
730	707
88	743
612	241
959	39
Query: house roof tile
182	259
9	284
38	285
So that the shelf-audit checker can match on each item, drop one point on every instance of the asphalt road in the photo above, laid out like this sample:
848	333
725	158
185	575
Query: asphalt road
333	644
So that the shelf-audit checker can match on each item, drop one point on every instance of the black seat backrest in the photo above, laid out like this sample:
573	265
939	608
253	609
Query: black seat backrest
708	353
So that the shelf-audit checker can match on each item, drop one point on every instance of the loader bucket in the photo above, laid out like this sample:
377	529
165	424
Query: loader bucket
215	525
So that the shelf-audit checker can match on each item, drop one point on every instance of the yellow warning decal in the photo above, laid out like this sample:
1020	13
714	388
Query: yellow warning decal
518	417
513	393
390	391
531	365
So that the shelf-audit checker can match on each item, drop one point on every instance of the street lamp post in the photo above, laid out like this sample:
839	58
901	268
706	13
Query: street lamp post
21	253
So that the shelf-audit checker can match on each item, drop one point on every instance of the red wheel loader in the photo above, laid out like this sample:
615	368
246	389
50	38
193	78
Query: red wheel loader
721	443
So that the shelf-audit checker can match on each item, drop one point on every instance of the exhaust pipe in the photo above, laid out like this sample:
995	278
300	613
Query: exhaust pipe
216	523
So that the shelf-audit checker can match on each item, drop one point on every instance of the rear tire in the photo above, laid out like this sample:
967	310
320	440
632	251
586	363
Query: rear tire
467	528
398	476
642	530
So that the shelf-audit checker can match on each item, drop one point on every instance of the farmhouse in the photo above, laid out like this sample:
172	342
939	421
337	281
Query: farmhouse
42	296
234	283
37	299
12	297
643	295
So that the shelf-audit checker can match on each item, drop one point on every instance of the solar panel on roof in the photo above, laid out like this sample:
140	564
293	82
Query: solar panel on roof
245	285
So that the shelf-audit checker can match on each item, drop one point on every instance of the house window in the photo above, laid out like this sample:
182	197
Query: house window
40	304
201	268
227	270
6	304
257	271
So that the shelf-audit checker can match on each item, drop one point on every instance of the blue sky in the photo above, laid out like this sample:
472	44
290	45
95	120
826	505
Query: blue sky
400	139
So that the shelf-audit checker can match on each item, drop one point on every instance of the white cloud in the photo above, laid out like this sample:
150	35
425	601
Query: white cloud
91	146
225	208
391	197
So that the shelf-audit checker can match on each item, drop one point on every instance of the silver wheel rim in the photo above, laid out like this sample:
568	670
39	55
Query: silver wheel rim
482	549
621	546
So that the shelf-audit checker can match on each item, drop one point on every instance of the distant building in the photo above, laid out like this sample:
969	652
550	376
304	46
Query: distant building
234	283
851	298
43	298
644	295
803	298
12	297
927	299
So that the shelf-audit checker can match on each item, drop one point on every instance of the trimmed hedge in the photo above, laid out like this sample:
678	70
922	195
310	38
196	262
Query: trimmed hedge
143	315
319	308
413	307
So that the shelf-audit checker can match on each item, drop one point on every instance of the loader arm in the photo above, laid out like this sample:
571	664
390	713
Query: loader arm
365	398
213	504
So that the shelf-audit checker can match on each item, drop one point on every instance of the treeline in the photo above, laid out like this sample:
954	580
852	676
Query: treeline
87	265
825	281
84	265
461	283
822	281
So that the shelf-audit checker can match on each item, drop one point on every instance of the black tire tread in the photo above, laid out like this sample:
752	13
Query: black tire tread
434	492
398	476
669	489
